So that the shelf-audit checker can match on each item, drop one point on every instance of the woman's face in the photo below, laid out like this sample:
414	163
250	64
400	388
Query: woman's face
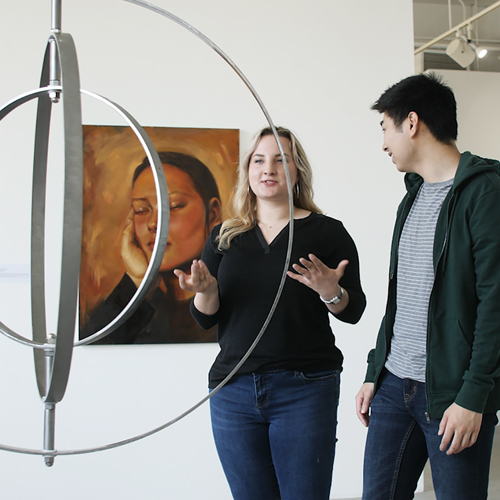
266	172
187	229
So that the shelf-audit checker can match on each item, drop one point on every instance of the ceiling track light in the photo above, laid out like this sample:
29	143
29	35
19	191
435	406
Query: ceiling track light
456	29
478	49
461	52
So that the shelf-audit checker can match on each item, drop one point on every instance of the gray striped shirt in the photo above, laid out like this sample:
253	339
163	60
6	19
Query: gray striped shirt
415	278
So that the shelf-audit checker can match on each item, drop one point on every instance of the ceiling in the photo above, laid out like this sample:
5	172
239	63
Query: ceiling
431	19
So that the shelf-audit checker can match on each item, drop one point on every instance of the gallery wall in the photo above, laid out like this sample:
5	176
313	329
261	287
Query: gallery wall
317	66
478	106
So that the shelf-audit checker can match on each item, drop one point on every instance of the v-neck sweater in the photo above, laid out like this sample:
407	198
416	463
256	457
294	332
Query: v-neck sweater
299	336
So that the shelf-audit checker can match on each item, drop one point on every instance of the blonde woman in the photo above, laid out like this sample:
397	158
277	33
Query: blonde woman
274	423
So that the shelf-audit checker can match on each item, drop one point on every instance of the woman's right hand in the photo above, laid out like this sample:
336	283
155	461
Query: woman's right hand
203	284
199	281
134	259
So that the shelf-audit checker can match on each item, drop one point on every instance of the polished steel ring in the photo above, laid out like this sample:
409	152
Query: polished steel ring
53	364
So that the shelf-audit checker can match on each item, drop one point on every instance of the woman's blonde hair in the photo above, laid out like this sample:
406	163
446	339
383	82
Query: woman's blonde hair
244	202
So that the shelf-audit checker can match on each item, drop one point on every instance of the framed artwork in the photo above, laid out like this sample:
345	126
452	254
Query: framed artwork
119	226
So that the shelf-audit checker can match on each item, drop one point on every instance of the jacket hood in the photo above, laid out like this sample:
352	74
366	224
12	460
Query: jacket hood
469	166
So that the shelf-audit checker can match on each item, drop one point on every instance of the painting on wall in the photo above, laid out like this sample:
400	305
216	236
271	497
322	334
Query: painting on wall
119	226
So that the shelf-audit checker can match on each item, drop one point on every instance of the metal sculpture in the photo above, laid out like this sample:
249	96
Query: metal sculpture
53	351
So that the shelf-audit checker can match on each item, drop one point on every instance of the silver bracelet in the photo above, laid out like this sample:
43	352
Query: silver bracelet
335	300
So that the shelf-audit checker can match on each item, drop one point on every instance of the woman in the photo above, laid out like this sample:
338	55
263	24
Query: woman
274	422
194	210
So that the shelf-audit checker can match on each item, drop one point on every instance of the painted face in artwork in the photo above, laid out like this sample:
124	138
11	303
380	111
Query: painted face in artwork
188	229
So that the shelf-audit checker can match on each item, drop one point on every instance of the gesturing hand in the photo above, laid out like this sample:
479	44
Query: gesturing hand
316	275
134	259
199	281
203	284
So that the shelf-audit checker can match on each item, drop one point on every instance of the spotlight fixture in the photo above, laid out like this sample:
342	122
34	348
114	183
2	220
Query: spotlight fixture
480	51
461	52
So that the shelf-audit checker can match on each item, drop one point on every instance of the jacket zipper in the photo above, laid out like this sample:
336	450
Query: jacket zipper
445	242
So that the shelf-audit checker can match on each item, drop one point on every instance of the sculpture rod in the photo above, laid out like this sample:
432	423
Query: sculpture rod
55	69
56	16
50	408
48	432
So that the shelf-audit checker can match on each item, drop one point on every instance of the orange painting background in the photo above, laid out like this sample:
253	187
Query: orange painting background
111	154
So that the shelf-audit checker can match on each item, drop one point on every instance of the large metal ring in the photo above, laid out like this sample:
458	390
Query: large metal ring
163	216
163	222
159	253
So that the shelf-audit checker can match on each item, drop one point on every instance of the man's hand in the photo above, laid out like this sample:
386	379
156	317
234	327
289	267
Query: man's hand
363	399
460	427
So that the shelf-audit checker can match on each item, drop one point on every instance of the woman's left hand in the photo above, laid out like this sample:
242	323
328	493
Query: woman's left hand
318	276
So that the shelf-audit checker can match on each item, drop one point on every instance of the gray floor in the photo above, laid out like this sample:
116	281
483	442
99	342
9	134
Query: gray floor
494	488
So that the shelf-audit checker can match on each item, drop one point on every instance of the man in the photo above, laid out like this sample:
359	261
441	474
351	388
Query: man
433	379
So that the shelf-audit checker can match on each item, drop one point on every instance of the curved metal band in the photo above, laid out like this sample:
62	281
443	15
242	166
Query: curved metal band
41	144
39	189
38	222
162	224
286	266
53	453
52	386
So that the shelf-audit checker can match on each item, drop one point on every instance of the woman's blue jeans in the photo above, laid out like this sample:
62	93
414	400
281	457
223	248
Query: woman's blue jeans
275	434
401	438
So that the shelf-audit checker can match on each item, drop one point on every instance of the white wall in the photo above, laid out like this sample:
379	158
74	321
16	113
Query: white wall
478	108
317	65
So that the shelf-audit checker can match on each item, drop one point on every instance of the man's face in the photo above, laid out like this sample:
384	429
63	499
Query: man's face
397	142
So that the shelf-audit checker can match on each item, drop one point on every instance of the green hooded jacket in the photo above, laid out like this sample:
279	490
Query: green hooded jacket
463	332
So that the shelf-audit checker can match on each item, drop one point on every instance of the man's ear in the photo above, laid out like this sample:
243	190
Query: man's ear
413	122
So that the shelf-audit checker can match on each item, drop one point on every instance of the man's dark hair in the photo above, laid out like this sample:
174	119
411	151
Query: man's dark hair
429	97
